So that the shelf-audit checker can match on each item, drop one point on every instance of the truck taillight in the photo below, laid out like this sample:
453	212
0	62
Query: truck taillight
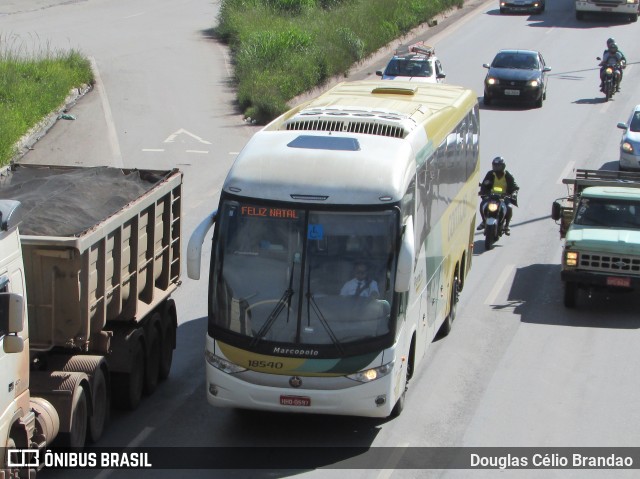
571	258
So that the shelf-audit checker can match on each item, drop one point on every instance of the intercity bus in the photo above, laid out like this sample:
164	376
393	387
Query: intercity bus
368	177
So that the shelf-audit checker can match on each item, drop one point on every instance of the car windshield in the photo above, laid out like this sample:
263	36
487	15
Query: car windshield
408	68
611	213
517	60
635	122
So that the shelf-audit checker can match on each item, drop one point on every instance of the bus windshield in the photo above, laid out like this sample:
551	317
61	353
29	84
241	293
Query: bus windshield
303	277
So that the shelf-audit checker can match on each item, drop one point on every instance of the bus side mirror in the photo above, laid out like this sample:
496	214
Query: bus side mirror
406	258
555	211
194	248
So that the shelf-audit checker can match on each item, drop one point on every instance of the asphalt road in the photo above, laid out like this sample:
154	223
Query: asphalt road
518	368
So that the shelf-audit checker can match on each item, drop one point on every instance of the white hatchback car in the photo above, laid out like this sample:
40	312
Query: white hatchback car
415	63
630	143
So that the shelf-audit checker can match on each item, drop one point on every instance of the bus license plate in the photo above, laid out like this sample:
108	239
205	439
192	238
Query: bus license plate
295	401
512	92
621	282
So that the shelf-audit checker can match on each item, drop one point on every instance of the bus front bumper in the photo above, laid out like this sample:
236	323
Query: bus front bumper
373	399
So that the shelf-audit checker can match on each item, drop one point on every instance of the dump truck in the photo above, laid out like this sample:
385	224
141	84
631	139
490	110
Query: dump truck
89	258
600	224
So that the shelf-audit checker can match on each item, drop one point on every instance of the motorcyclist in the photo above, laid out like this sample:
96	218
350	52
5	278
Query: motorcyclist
612	41
498	176
610	58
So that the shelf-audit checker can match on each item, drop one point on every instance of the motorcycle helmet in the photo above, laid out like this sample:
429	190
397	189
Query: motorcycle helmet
498	165
613	48
611	41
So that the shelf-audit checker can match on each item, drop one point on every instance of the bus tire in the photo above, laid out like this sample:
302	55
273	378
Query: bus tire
399	406
445	329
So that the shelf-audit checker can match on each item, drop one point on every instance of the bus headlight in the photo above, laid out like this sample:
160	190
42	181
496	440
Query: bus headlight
571	258
372	374
222	364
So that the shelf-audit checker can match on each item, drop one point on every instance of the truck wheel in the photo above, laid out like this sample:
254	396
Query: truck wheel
152	369
168	341
98	419
127	387
570	293
75	438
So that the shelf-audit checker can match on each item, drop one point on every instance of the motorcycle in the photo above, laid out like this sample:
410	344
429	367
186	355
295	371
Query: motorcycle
495	207
610	79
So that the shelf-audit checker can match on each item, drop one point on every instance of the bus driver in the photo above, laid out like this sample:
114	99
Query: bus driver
361	285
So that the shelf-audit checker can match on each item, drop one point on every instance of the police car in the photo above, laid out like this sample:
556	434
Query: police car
417	62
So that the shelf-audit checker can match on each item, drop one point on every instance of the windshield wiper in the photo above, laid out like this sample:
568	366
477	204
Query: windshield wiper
311	300
285	300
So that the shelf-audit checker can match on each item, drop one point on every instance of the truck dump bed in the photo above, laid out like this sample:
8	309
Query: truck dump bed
100	245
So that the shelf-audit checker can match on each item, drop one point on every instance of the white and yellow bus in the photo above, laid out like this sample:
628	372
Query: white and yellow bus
371	180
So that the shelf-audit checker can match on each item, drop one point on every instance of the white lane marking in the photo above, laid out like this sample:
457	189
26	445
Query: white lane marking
111	129
197	151
393	461
153	149
172	137
234	152
502	279
134	443
134	15
565	173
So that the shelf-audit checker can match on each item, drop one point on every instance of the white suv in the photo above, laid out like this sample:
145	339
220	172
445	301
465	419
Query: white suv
417	63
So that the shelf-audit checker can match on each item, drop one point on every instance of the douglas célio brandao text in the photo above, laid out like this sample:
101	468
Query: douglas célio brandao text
550	461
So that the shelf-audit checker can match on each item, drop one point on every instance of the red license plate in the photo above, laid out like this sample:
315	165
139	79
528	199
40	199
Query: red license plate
621	282
295	401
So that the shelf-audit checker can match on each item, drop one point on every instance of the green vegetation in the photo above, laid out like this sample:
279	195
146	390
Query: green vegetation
282	48
33	86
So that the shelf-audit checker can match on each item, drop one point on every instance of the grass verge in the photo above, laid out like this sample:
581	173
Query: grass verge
283	48
32	86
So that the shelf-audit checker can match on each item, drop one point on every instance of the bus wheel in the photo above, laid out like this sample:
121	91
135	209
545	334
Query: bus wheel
445	329
399	407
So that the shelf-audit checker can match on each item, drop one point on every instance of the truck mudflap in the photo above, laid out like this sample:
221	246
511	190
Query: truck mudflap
601	280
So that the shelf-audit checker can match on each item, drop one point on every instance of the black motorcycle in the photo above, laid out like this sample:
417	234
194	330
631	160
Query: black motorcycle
610	79
494	207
